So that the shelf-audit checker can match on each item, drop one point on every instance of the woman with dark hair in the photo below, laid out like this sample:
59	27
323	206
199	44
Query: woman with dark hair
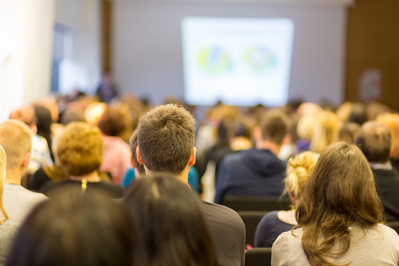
74	229
339	216
170	224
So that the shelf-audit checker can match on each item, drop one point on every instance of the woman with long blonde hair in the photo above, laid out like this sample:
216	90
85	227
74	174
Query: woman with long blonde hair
8	228
339	216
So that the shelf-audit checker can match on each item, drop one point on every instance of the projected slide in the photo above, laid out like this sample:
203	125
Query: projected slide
238	61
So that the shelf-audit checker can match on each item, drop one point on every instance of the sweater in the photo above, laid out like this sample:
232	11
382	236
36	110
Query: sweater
374	246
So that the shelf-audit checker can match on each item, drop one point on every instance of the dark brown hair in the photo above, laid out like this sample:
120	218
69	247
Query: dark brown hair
170	224
112	123
166	138
374	140
75	229
133	148
340	192
275	126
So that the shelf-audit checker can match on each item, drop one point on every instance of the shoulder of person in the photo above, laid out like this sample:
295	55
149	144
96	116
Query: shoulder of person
222	211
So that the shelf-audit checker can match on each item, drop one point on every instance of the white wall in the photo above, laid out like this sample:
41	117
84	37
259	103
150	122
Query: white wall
26	28
148	52
83	69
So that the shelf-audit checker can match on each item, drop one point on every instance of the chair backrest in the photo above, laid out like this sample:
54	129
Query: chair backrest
251	220
394	226
258	257
251	203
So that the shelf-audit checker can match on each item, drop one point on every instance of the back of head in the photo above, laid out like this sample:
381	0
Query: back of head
16	139
75	229
112	122
275	126
166	138
391	121
340	193
374	140
44	121
299	169
171	226
305	126
358	114
25	114
348	132
325	131
79	149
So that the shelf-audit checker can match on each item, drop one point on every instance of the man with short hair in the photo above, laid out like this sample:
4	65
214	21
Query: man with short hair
374	140
258	171
166	144
16	139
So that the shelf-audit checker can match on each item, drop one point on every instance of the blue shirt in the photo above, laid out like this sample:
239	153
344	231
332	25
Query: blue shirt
129	177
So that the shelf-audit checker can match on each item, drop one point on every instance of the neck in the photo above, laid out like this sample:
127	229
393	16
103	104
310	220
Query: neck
13	176
267	145
92	177
183	176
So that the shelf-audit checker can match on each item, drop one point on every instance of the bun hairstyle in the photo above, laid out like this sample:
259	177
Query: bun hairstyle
299	169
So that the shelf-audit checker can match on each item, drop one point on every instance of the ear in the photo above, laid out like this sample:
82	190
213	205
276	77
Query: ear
25	160
287	139
290	195
34	129
139	156
193	157
258	133
132	163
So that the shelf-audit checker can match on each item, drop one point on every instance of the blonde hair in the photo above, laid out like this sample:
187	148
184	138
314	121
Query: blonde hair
16	139
299	169
80	149
305	126
3	162
391	121
344	111
325	131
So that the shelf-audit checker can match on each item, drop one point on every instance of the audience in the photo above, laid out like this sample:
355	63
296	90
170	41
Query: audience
325	131
339	216
79	151
170	223
40	153
258	171
166	144
7	228
116	153
374	140
16	139
274	223
75	229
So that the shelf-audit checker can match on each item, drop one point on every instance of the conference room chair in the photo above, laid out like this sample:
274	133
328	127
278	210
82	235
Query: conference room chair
252	203
258	257
394	226
251	220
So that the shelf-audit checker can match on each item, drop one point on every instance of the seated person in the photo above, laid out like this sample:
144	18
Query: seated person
40	153
174	152
374	140
8	228
16	139
170	223
274	223
258	171
340	217
75	229
79	151
391	121
116	152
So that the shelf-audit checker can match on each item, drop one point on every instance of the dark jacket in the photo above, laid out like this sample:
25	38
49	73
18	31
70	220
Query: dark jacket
387	184
252	172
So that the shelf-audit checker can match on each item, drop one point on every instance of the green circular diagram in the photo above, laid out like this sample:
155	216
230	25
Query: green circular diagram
260	59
